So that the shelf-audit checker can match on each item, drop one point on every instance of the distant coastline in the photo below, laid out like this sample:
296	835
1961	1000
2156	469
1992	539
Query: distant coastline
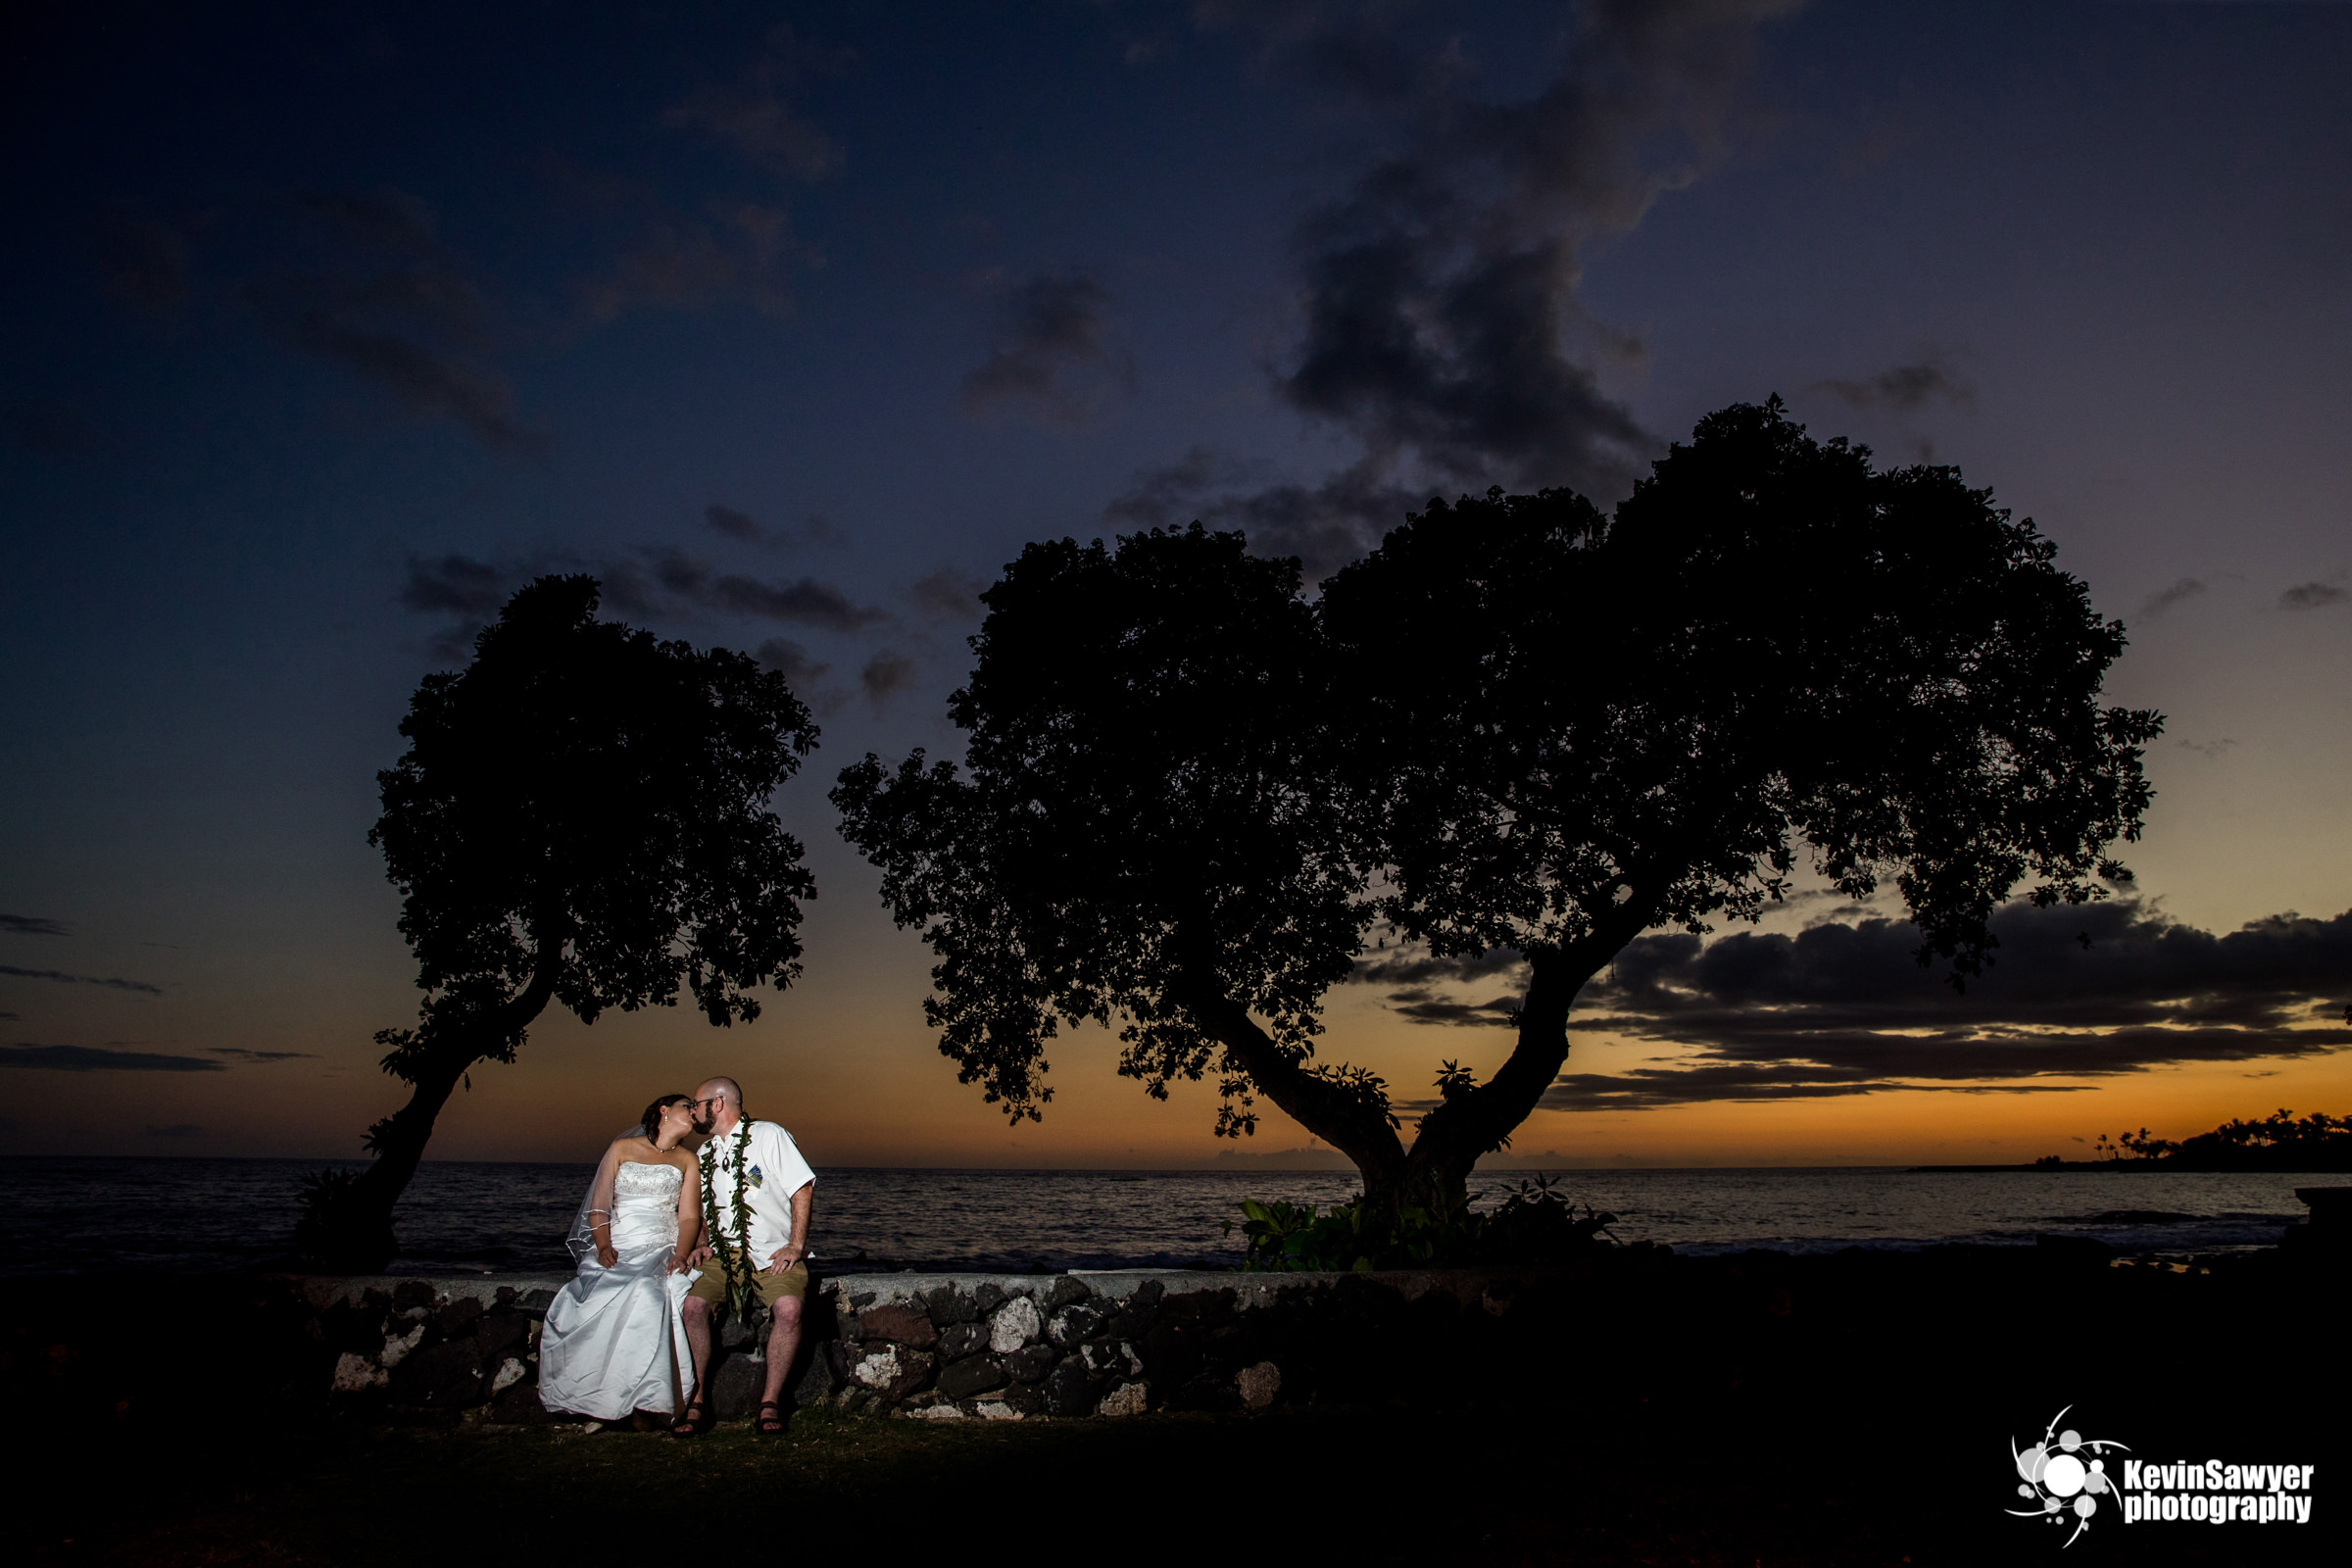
2145	1167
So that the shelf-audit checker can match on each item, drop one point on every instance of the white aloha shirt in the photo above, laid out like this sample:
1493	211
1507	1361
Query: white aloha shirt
775	1171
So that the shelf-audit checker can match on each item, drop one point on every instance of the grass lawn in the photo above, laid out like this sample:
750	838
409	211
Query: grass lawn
1734	1483
1374	1485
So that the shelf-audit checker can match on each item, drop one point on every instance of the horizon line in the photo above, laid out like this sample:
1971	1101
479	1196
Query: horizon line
1235	1169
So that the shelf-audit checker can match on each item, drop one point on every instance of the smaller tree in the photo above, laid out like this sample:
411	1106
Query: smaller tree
581	817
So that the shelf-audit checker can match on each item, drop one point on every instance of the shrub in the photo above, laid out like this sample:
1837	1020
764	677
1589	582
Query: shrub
1536	1224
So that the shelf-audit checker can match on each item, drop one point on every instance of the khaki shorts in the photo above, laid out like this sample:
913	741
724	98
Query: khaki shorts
766	1284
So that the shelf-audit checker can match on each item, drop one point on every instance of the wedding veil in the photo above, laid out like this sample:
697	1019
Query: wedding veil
582	1238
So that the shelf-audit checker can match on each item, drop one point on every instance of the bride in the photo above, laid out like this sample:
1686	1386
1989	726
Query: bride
614	1343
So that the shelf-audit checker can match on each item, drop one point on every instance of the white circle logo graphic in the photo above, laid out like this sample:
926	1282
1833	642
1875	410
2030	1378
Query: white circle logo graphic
2057	1482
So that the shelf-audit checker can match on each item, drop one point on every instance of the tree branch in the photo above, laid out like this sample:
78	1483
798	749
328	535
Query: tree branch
1472	1123
515	1016
1340	1119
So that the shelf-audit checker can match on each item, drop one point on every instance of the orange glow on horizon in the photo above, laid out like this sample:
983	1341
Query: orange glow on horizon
862	1087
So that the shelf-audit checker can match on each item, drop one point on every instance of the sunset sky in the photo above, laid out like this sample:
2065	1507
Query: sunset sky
325	326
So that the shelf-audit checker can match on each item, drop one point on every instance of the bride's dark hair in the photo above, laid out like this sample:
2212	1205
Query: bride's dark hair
651	1123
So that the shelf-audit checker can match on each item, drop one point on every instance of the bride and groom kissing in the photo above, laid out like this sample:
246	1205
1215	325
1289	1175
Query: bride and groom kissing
663	1238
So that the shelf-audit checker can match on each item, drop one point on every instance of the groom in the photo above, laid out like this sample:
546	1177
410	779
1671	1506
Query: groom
755	1180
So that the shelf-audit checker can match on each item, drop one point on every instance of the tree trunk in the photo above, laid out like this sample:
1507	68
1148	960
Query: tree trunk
1347	1123
348	1224
352	1229
1475	1122
1471	1124
1435	1173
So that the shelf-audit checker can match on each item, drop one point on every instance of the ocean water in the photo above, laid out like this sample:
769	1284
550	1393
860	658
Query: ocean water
82	1215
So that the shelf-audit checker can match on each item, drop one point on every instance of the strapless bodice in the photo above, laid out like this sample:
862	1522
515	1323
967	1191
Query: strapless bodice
637	1179
645	1205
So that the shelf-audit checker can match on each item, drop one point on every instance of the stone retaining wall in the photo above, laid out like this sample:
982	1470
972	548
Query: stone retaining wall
942	1347
1009	1347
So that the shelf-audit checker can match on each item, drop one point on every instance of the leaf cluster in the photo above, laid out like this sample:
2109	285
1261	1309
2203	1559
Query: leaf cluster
1770	649
1535	1224
329	1208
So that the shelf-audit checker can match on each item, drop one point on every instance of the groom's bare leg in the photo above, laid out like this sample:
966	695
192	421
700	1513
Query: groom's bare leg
697	1315
783	1344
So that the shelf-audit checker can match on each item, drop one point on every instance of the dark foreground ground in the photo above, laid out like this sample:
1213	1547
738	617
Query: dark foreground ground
1864	1417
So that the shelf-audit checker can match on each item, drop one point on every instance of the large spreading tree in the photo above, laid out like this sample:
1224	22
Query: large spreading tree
1191	798
581	817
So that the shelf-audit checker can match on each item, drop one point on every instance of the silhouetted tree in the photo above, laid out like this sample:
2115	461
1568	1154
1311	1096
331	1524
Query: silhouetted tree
581	817
1189	796
2279	1141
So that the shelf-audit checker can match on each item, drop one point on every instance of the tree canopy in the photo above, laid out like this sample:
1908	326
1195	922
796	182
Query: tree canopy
1190	795
583	817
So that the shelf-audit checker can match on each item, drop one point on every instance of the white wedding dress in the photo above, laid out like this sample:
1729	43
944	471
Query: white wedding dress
614	1340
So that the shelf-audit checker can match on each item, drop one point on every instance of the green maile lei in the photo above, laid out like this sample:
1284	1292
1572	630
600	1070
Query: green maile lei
734	1260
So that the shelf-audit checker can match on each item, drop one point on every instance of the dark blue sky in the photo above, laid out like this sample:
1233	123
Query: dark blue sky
328	325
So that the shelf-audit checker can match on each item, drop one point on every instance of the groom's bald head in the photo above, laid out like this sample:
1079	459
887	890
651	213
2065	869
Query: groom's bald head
717	1099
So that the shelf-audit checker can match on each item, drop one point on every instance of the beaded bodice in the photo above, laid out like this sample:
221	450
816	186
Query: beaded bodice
639	1182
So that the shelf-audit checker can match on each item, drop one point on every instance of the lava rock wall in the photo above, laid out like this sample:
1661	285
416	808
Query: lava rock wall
982	1347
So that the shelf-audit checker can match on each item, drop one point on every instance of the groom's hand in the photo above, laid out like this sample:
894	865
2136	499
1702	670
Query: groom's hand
698	1257
784	1257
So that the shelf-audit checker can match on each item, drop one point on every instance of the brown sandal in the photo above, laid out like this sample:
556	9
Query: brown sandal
769	1426
689	1423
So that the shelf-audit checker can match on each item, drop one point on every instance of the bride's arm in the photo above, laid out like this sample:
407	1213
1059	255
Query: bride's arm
600	1207
690	1216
